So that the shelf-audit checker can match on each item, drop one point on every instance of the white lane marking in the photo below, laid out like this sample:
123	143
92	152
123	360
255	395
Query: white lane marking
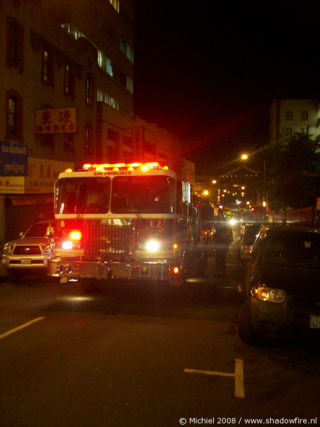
239	379
238	376
18	328
197	371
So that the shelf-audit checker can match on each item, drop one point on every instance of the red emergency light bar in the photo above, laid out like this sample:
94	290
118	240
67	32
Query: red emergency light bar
144	167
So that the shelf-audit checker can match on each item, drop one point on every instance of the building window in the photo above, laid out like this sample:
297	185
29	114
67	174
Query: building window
47	66
14	44
89	90
113	135
88	145
68	80
127	50
115	4
288	115
129	84
288	132
127	141
105	63
107	99
14	116
304	115
72	30
69	142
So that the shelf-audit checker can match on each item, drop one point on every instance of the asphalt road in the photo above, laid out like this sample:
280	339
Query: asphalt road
142	356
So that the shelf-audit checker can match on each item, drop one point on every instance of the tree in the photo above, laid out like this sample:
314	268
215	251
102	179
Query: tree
293	172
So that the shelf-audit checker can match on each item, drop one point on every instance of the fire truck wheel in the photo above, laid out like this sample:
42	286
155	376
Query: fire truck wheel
90	285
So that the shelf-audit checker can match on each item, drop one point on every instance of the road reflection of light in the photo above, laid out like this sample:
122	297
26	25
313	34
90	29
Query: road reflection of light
196	280
76	298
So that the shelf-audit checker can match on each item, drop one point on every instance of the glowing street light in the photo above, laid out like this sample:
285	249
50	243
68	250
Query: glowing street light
244	156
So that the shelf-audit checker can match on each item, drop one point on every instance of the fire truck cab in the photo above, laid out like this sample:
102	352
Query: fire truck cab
123	221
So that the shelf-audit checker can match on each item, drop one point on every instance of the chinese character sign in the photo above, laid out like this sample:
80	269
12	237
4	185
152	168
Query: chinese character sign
55	120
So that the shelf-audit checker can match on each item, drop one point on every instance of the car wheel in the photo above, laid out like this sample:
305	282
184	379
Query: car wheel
246	333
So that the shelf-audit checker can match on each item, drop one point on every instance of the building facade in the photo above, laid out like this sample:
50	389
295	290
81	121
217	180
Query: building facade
66	94
291	116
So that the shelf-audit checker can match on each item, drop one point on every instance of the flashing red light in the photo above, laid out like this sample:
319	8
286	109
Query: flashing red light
144	167
75	235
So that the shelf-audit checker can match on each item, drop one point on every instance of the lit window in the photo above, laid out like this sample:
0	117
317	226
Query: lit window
47	66
105	63
109	69
129	84
107	99
68	80
100	96
126	49
115	4
72	30
100	59
129	52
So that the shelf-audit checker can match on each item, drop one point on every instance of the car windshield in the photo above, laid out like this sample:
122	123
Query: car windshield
142	194
82	195
37	230
293	248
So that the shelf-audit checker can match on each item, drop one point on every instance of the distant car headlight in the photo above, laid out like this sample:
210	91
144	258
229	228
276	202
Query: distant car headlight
152	245
7	249
266	294
233	221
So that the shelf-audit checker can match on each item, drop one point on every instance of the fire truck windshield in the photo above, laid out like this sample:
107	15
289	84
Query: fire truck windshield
82	195
142	194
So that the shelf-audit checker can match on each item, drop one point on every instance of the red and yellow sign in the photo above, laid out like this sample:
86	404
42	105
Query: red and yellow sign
55	120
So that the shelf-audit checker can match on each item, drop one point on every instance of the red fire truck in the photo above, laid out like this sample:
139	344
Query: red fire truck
124	221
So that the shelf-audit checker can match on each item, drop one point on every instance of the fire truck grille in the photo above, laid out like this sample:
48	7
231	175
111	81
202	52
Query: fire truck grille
108	237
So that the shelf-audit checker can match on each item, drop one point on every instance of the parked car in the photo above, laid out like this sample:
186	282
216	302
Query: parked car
248	236
30	252
282	283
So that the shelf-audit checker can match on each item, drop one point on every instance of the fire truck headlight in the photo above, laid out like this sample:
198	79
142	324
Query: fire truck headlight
67	244
152	245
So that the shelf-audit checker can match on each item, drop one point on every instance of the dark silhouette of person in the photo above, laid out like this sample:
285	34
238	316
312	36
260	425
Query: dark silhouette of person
222	240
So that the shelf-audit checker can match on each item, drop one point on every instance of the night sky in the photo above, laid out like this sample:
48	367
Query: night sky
208	70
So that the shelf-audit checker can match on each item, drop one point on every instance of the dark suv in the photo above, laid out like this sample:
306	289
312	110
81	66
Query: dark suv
282	283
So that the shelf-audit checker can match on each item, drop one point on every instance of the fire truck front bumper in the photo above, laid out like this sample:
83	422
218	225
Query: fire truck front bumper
73	270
